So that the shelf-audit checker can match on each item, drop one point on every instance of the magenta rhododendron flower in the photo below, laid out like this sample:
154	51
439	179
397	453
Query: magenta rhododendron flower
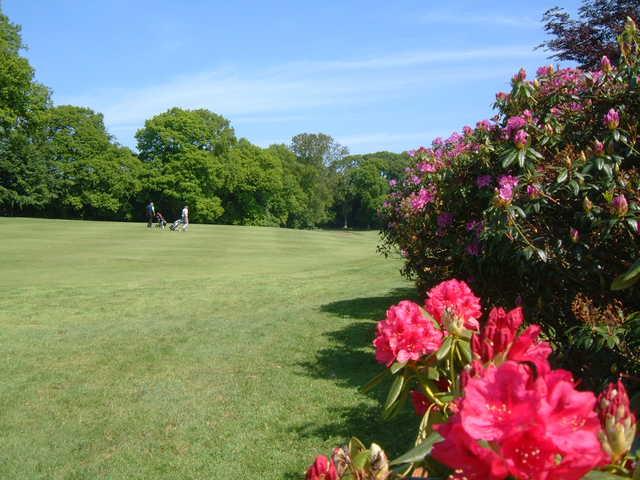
484	125
612	119
514	422
514	124
422	198
322	469
619	205
445	219
521	138
534	191
545	71
473	248
406	334
455	298
484	181
427	167
506	185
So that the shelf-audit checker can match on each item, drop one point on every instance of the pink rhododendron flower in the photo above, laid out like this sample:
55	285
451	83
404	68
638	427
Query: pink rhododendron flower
514	124
422	198
605	64
502	96
411	153
520	76
545	71
393	182
456	298
322	469
467	130
521	138
427	167
498	334
612	119
506	185
514	422
484	125
406	334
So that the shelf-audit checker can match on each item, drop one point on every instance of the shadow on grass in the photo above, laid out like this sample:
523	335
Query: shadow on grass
350	362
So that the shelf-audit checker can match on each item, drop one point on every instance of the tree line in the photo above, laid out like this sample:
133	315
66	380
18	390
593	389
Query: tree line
61	162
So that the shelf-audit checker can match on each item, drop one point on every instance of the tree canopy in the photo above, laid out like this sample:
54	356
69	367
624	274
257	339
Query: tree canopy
594	34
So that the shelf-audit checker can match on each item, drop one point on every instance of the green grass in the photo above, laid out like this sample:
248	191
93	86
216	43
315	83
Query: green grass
225	352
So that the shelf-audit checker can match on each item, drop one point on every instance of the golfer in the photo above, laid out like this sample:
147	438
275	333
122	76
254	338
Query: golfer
151	212
185	218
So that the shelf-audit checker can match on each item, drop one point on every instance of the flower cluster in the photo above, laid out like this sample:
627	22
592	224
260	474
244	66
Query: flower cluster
406	334
554	179
498	412
515	422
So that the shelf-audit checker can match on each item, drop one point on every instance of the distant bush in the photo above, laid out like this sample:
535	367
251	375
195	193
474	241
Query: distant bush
539	205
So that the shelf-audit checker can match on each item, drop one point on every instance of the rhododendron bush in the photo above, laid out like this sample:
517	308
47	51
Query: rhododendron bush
541	203
491	405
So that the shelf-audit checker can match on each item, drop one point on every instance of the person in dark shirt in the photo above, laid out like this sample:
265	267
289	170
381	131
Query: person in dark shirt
151	212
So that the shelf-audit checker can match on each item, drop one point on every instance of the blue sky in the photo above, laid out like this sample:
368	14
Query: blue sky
376	75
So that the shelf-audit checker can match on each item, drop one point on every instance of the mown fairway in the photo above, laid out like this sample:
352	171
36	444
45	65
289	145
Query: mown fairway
225	352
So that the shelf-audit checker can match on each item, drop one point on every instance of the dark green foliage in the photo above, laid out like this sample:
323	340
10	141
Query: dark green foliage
593	35
61	162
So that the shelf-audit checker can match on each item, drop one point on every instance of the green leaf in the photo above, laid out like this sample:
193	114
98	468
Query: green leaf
627	279
575	188
444	348
599	163
616	135
397	366
562	176
596	475
465	350
417	453
542	254
509	158
521	157
394	392
536	154
375	381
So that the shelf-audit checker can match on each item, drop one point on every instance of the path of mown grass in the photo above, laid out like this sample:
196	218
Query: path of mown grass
225	352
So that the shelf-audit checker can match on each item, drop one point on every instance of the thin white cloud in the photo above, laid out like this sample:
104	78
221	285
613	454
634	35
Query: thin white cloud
289	92
386	137
488	20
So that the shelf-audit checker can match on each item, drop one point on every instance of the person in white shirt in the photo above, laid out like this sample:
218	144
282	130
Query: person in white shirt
185	218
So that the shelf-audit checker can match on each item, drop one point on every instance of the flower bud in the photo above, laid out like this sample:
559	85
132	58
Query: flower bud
521	139
322	469
619	205
605	64
612	119
342	460
379	463
453	323
617	420
574	233
587	205
598	147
